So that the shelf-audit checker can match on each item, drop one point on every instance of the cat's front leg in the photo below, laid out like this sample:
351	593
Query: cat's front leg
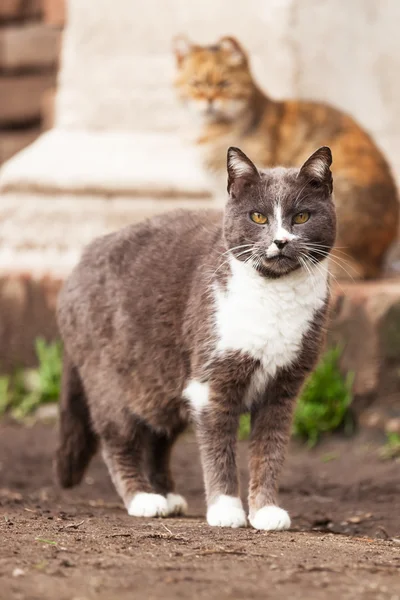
270	432
217	430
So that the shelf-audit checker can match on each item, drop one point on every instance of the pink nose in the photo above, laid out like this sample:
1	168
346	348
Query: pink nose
281	243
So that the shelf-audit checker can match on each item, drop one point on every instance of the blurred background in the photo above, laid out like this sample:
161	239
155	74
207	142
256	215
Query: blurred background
91	138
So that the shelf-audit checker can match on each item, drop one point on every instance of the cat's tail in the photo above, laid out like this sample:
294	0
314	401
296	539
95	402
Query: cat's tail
78	442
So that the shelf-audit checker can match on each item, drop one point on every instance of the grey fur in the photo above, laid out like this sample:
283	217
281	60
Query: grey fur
136	317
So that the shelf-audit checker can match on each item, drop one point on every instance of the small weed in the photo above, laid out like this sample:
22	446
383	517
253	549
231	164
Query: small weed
244	427
50	542
329	457
41	565
4	393
392	447
25	390
324	404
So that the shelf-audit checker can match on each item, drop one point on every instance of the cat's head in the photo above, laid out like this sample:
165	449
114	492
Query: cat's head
280	220
214	82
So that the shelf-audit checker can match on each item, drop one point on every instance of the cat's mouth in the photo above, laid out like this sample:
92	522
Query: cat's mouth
279	259
280	264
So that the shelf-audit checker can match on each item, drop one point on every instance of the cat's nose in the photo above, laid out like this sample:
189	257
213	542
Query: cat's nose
281	243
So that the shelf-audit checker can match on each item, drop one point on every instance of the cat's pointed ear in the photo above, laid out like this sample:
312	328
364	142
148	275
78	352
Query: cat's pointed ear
237	55
181	46
241	171
317	168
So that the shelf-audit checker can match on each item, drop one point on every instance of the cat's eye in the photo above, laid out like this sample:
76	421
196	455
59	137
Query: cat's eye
224	83
301	218
258	218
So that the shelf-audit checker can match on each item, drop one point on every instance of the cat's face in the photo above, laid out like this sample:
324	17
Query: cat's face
280	220
214	82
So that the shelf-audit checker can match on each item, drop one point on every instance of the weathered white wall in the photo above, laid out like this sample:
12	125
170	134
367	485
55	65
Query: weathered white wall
347	52
118	65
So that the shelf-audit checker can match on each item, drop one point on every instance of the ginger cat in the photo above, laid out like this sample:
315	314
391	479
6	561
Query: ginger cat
216	84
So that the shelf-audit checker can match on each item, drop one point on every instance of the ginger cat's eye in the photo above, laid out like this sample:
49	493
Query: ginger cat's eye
224	83
258	218
301	218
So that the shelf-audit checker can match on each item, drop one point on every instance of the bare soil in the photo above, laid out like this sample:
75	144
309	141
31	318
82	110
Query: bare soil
81	545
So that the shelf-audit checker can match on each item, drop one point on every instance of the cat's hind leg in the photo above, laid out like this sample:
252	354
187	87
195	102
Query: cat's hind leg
159	450
125	456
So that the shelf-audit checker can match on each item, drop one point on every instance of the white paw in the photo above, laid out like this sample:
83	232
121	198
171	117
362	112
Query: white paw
148	505
226	511
270	518
177	504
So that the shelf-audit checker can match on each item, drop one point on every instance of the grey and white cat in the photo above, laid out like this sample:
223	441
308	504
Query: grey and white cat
199	316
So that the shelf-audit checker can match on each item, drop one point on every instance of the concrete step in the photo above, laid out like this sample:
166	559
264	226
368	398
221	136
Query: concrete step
107	163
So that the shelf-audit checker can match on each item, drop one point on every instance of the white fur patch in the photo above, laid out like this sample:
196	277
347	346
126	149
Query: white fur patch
267	318
182	46
229	108
239	166
177	504
270	518
226	511
280	232
318	168
272	250
197	393
144	504
236	54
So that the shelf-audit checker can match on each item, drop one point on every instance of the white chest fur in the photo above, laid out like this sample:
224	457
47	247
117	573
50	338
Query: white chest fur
266	318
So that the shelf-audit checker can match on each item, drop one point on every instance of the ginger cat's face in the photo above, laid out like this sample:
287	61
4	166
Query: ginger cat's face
214	82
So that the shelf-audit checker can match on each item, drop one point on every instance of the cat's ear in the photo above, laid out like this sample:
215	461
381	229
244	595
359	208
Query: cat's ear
237	55
317	168
241	171
181	46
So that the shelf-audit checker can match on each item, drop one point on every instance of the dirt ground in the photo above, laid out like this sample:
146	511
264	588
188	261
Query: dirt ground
81	545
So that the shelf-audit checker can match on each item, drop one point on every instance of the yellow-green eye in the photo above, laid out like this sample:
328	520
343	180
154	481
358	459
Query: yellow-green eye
224	83
258	218
301	218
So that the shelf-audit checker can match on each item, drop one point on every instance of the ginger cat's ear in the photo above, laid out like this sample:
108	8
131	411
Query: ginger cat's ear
231	45
181	46
317	168
241	171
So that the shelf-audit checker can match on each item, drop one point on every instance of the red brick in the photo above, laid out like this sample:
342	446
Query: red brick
48	108
55	12
20	97
32	46
11	10
366	323
27	309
